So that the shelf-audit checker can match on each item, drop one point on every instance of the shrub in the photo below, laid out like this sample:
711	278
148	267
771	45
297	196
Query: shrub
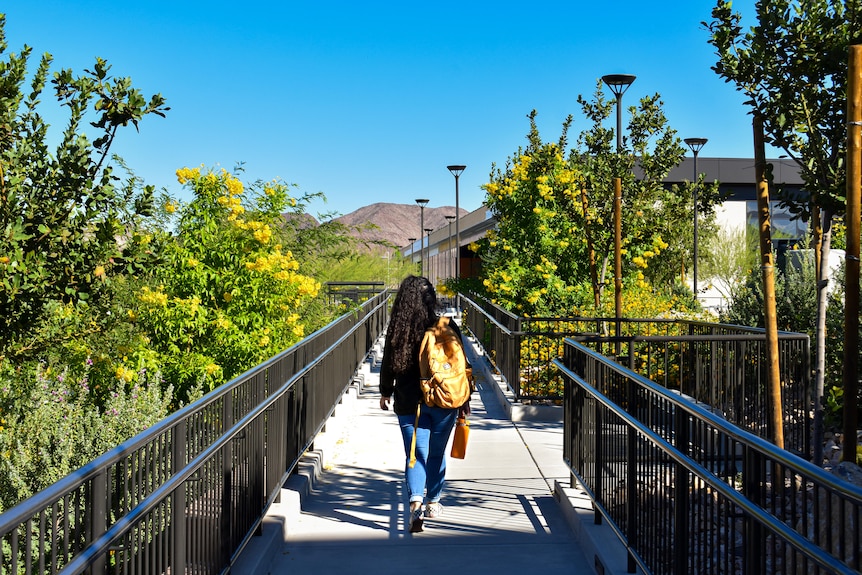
57	425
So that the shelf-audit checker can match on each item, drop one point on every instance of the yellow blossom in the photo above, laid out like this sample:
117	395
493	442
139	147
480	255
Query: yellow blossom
124	374
186	174
234	186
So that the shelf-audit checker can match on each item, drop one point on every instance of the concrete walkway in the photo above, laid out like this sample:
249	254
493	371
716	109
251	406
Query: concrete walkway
506	510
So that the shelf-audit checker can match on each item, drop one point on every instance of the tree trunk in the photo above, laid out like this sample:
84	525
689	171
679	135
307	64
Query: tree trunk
851	267
776	417
822	246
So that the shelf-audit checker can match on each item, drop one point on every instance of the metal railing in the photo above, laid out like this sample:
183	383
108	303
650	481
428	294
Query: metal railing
186	495
688	492
352	293
723	366
727	371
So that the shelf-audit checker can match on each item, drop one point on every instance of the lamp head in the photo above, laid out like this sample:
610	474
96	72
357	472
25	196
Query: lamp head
695	143
618	83
456	170
422	202
450	218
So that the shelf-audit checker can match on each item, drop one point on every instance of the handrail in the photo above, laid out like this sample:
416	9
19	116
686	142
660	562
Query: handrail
651	400
734	432
63	500
718	364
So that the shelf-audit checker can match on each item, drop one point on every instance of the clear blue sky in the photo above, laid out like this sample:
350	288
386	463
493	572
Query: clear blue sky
369	101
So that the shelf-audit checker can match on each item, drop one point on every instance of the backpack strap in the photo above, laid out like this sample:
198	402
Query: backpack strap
413	441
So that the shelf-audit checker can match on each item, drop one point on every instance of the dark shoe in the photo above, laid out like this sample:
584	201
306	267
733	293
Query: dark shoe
417	518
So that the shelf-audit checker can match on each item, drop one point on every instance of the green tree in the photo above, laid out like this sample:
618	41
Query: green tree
554	213
228	293
657	223
64	220
792	67
531	258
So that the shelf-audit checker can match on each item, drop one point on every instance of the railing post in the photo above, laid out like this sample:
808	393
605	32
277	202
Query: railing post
226	516
178	499
631	472
98	516
631	355
517	360
752	531
681	494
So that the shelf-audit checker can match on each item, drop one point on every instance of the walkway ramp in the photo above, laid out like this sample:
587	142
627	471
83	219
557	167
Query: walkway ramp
346	511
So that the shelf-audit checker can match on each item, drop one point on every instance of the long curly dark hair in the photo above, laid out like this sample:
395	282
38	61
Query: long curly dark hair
413	312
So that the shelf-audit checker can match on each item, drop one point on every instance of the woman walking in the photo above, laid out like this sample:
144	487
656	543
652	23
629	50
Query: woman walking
413	312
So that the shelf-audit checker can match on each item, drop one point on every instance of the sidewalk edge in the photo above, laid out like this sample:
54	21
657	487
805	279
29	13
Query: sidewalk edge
597	541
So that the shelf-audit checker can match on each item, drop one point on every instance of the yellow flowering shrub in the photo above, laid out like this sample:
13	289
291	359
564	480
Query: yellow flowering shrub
551	253
552	250
229	295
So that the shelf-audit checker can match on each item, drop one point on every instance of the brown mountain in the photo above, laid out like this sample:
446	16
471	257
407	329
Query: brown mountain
394	223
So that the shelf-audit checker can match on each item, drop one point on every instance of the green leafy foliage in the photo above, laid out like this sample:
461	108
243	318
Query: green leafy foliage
118	305
657	221
228	293
54	426
63	217
554	239
792	67
796	310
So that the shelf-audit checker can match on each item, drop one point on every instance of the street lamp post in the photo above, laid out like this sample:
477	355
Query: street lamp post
428	243
456	171
449	219
695	144
618	83
422	203
411	240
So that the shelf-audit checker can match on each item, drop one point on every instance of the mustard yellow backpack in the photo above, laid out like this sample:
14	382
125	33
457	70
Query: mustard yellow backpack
445	376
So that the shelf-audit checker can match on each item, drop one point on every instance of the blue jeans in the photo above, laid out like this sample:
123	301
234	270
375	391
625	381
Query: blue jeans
426	478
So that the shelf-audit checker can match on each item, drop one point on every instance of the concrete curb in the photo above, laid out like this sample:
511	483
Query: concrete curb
599	542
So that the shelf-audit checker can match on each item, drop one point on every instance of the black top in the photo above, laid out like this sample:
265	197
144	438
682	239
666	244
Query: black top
405	385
